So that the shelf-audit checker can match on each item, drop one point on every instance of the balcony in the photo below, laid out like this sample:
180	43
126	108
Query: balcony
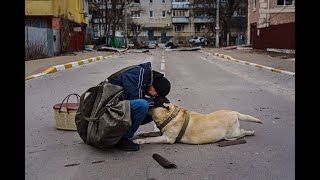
180	1
134	4
180	20
180	6
202	19
156	25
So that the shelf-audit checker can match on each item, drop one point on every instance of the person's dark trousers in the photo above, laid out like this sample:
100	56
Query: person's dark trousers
139	109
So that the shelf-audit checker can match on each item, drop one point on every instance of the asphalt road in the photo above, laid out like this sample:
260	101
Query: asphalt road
200	83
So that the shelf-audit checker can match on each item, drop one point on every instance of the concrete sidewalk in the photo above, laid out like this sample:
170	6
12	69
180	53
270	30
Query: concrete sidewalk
40	65
280	61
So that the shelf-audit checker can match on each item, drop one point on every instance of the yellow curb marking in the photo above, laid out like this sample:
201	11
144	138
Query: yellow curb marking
259	66
29	77
53	69
276	70
50	70
67	66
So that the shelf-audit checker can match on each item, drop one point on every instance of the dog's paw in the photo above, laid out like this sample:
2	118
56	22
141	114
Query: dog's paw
139	141
141	134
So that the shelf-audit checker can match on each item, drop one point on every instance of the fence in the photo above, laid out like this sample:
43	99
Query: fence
276	36
46	38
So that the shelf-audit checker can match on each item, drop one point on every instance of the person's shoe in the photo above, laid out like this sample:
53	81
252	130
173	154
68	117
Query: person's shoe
127	145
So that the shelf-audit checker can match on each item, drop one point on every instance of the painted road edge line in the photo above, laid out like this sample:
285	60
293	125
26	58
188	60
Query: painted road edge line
61	67
251	64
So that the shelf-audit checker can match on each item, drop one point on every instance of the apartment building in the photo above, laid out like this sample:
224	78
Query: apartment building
179	20
183	19
153	19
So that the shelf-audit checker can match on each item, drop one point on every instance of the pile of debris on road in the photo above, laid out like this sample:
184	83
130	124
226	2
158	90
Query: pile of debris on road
171	46
145	44
104	47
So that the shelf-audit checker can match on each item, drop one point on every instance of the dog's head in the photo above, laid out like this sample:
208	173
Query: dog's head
159	114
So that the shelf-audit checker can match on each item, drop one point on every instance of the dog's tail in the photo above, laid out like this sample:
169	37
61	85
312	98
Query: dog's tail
243	117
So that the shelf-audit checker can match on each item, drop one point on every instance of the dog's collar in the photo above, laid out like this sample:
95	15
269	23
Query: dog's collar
184	127
169	118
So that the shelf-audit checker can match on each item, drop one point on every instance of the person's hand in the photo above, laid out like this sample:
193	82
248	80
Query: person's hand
158	101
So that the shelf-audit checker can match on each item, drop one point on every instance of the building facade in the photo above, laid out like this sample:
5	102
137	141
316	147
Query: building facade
183	19
163	20
152	19
271	23
52	15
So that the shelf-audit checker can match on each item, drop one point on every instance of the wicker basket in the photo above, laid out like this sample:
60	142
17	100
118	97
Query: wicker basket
64	114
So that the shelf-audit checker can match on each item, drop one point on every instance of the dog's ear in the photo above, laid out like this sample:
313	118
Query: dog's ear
167	105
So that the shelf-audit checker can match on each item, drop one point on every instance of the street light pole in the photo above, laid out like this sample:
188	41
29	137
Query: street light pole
217	25
125	24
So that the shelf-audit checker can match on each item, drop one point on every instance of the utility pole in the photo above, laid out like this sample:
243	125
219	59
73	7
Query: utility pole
125	24
217	25
106	31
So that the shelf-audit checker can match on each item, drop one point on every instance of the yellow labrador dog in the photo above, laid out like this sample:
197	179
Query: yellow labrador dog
180	125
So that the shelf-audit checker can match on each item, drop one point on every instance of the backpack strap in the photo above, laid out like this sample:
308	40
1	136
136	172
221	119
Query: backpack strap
118	73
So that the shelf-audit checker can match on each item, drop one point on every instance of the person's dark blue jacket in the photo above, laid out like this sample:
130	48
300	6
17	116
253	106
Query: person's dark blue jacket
134	81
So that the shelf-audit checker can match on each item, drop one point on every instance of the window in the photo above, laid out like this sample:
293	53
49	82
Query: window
136	28
135	14
136	1
180	13
150	1
201	14
239	13
163	13
284	2
163	1
178	28
198	28
151	13
36	22
254	4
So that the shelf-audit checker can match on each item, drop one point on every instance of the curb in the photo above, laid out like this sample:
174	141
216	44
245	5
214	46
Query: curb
57	68
251	64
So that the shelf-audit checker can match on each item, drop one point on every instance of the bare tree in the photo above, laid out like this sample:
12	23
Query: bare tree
226	18
98	11
133	28
114	10
66	32
205	8
35	50
93	10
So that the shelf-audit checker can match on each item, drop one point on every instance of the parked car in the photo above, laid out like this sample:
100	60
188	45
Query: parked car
198	40
155	42
170	45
